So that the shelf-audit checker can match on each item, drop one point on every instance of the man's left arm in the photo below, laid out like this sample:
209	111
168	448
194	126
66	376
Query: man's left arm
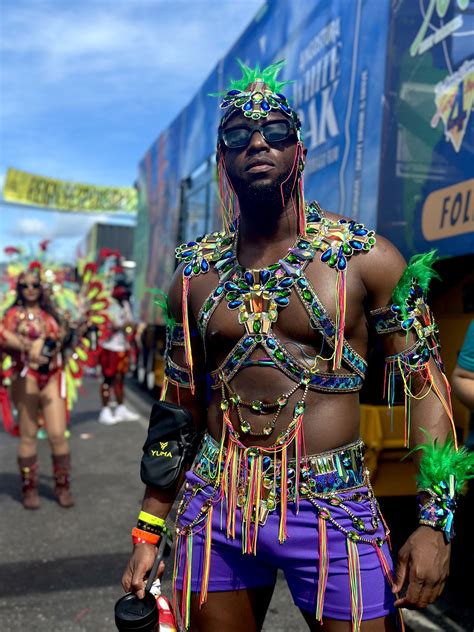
397	302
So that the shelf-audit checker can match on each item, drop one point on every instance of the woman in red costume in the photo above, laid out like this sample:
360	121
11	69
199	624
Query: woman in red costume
36	384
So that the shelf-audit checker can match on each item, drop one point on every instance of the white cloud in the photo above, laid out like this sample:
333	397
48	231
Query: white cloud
30	227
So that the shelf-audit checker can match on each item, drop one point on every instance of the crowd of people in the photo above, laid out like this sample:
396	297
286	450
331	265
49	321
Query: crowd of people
55	324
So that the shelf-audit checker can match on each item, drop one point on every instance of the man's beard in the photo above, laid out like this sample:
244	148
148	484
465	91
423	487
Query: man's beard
269	197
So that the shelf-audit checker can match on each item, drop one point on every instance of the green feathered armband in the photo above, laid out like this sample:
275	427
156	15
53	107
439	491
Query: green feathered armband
442	474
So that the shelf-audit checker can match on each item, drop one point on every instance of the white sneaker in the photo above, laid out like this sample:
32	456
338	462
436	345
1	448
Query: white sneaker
107	416
122	413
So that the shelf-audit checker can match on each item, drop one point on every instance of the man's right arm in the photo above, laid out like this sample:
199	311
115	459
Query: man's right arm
158	502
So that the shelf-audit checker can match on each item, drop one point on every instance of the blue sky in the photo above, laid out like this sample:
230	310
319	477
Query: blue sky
87	86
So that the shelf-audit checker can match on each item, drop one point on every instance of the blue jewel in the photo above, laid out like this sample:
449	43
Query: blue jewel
357	245
264	276
225	104
288	282
247	341
266	461
281	96
204	265
271	343
407	323
248	106
188	270
284	108
326	255
186	253
351	224
231	93
265	106
341	263
191	243
302	282
249	278
361	231
280	300
234	304
218	291
231	287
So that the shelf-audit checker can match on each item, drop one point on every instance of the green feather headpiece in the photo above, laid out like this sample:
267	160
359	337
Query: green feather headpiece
251	75
440	461
420	269
257	93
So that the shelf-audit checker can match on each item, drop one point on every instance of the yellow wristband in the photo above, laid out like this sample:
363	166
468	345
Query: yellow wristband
151	519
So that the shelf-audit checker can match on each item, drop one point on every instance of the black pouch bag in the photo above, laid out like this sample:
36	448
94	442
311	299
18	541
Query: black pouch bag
169	446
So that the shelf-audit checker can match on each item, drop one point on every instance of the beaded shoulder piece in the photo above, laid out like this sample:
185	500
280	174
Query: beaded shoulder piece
200	254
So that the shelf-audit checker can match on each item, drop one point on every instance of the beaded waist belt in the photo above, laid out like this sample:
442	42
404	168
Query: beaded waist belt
325	473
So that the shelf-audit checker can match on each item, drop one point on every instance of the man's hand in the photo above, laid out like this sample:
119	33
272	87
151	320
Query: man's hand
138	567
423	561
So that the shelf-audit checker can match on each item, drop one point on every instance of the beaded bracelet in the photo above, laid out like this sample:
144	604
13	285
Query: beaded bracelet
438	511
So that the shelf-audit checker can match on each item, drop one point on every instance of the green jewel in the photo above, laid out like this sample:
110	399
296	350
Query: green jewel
224	404
235	399
347	249
258	338
196	268
316	311
299	408
231	296
307	295
332	260
304	489
371	241
358	524
282	401
271	504
245	426
279	355
256	405
272	315
257	326
355	537
379	542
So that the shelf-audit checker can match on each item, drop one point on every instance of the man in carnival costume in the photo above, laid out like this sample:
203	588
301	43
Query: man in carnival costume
275	312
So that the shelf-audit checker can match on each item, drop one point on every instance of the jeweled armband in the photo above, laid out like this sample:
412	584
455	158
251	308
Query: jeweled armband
175	374
442	474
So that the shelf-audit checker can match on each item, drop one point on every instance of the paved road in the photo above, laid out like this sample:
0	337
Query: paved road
60	569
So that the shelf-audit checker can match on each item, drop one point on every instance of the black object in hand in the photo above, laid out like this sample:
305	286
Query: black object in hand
132	613
49	347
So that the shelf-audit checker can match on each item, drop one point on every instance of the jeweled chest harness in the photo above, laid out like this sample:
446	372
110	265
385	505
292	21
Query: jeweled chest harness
258	295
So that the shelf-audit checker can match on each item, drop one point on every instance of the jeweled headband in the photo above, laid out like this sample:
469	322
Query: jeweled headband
257	93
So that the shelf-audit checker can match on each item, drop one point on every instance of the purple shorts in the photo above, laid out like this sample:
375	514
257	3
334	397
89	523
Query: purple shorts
297	557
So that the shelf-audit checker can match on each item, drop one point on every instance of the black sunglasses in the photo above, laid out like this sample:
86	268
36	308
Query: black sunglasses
25	286
272	132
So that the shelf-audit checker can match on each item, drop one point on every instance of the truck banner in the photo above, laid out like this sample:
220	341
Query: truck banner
34	190
427	173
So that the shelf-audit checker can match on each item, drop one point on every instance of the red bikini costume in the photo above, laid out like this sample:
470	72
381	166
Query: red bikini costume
32	324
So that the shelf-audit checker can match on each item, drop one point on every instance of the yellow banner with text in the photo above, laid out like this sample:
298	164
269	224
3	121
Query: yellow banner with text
27	188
